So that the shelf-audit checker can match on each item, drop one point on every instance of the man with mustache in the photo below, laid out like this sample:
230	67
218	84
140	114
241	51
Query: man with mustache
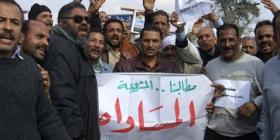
234	65
35	44
94	49
41	13
160	19
74	87
114	51
26	113
169	51
149	59
264	39
249	45
207	42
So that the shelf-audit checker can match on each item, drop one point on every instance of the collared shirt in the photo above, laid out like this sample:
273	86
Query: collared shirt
137	64
17	53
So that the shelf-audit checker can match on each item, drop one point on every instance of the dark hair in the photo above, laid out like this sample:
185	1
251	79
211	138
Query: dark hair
96	30
162	13
13	2
262	23
66	9
112	20
228	26
25	27
151	28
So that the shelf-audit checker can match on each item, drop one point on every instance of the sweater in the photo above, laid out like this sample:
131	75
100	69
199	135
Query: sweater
247	68
271	111
26	113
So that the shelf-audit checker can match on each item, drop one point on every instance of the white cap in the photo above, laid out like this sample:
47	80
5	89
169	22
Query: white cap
167	41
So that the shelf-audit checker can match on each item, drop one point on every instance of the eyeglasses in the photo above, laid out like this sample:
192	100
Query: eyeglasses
78	19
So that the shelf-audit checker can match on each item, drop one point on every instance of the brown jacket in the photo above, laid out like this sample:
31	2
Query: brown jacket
137	65
127	51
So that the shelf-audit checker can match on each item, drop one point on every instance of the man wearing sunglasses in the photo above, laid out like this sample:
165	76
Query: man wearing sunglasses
74	88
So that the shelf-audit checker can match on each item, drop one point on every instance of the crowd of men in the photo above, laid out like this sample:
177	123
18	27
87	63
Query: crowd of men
48	84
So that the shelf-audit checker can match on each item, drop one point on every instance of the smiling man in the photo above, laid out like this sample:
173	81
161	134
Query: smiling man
94	49
264	39
233	65
35	44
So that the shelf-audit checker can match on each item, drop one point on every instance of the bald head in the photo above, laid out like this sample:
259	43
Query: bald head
206	39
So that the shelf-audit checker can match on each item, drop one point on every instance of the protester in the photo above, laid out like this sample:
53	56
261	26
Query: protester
149	59
239	123
207	42
169	51
264	39
35	44
161	20
41	13
271	109
114	51
74	86
103	17
26	113
249	45
269	4
94	50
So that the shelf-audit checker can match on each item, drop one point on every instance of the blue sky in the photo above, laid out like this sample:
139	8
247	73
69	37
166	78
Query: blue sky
113	6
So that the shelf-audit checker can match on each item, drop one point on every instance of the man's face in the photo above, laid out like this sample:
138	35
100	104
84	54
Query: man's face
161	22
36	42
229	43
103	17
77	28
206	39
151	43
10	28
46	18
114	34
264	39
169	53
249	46
95	45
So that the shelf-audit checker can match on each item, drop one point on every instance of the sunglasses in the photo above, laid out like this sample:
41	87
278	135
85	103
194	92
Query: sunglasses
78	19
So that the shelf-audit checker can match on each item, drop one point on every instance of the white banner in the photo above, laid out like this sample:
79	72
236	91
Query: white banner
237	93
190	11
153	106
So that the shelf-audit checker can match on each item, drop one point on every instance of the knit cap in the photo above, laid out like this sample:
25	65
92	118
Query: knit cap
36	9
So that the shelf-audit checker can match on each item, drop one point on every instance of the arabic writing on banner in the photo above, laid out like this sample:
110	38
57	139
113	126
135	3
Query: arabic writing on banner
153	106
237	93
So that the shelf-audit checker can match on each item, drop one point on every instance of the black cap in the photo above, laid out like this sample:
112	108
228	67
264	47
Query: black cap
36	9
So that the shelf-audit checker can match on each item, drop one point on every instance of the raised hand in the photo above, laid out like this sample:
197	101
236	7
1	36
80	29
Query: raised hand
270	5
95	5
174	21
211	17
149	5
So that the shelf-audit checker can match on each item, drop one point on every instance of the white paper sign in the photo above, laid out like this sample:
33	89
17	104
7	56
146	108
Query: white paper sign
153	106
236	93
190	11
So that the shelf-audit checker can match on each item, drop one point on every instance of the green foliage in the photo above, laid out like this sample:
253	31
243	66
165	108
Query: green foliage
240	12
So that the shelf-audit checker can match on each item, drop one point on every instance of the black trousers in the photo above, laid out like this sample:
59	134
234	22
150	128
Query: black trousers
212	135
